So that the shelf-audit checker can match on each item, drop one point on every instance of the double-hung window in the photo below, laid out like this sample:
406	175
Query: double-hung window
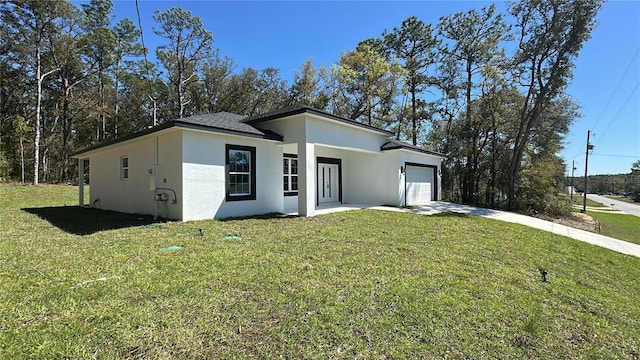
241	172
124	168
290	175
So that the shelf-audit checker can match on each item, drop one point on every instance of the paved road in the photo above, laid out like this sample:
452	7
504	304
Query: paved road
618	205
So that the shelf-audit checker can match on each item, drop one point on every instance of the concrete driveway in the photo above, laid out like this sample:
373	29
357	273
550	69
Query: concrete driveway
625	207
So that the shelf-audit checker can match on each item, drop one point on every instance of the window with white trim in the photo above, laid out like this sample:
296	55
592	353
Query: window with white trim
241	169
124	167
290	175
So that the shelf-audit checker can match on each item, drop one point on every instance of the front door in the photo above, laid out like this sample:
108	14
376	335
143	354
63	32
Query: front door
328	188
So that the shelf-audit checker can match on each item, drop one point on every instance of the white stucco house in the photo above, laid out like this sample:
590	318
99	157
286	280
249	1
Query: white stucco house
220	165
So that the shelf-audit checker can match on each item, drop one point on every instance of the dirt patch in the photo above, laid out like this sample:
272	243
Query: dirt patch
575	220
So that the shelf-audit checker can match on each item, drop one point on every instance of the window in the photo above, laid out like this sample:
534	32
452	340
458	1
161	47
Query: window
290	174
124	168
241	170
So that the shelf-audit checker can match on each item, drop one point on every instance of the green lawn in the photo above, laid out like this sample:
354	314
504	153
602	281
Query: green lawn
81	283
579	201
620	226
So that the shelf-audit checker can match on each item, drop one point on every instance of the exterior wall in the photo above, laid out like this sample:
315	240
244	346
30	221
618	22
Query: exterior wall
191	163
168	174
370	179
404	156
375	178
204	157
369	176
134	195
339	135
357	148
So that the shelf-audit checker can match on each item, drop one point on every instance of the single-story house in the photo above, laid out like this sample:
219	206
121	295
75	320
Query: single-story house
222	165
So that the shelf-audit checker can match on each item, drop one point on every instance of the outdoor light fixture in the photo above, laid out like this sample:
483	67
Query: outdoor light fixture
402	170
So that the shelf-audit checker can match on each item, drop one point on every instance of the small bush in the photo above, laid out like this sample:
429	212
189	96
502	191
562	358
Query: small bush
549	204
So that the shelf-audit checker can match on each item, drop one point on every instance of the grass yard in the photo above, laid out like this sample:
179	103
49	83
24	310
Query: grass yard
578	200
81	283
620	226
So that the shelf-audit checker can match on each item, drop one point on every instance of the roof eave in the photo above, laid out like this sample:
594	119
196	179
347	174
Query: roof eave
320	113
267	135
128	137
411	148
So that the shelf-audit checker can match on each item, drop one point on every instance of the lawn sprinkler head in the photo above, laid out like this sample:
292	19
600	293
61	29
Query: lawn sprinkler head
544	275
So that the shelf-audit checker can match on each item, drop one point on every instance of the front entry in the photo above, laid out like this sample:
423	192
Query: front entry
328	183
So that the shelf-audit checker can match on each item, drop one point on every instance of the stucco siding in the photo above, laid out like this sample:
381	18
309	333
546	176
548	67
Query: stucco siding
376	178
168	175
404	156
343	136
329	133
188	164
204	187
135	195
109	191
369	177
292	128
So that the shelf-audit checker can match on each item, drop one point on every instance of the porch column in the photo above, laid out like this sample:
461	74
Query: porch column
306	179
81	182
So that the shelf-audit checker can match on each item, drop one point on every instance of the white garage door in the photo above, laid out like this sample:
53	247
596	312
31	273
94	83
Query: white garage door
419	180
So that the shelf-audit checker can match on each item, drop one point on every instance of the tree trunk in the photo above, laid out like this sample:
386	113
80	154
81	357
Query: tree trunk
468	175
180	95
36	144
117	100
526	122
413	115
103	118
45	162
22	158
66	129
492	184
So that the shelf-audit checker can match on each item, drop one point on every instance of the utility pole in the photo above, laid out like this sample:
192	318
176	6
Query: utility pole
573	168
586	164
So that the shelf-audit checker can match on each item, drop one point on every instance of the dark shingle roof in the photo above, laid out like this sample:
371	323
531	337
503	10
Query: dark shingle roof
222	122
225	122
393	144
299	109
228	122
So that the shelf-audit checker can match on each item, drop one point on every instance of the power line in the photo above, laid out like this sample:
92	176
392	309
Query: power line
575	156
616	155
145	50
616	89
146	66
619	111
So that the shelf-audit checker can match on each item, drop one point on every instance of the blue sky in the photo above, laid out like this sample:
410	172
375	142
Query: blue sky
284	34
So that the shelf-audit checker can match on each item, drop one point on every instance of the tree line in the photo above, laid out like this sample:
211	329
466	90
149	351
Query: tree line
611	184
485	88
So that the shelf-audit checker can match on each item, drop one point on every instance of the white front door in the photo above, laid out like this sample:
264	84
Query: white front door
328	187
